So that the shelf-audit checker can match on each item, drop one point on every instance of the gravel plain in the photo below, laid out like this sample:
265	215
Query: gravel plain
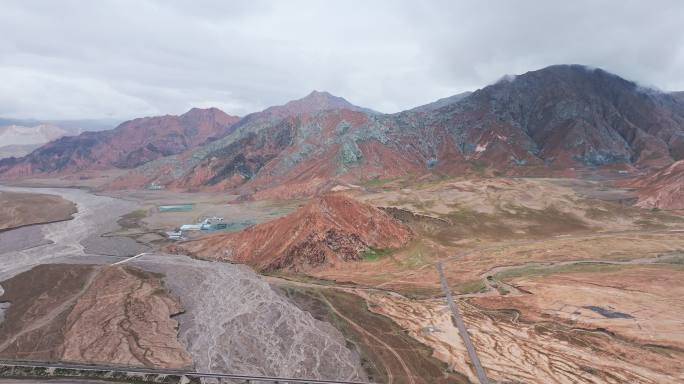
233	322
24	248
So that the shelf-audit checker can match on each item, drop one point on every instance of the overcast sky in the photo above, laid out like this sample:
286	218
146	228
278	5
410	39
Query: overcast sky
122	59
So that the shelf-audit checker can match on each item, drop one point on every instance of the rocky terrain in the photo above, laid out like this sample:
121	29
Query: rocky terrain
129	145
21	209
510	190
124	317
484	222
663	189
637	303
678	95
235	322
43	301
573	115
230	330
585	347
557	118
89	314
328	230
551	121
443	102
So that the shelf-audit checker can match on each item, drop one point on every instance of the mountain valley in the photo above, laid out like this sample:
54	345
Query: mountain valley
551	201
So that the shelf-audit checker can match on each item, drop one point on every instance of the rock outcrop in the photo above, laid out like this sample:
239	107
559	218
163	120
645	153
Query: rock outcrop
330	229
124	317
663	189
82	313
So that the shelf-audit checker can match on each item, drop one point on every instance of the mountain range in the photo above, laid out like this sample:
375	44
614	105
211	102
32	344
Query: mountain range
19	140
131	144
19	137
559	118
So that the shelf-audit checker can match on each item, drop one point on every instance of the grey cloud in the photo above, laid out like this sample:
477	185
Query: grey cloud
85	59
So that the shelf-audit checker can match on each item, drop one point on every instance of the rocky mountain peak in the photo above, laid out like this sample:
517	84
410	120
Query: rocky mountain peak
211	113
314	102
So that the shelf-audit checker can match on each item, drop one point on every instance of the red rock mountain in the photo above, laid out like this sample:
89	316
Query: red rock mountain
328	230
129	145
550	120
557	118
663	189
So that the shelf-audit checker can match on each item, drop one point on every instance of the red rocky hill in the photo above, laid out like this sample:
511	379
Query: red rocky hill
328	230
131	144
663	189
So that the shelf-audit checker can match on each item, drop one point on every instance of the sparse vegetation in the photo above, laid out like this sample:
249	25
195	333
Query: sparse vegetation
474	286
541	270
376	182
132	219
597	213
479	166
373	254
331	305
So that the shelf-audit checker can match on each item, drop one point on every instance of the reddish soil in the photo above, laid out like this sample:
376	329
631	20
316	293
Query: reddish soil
82	313
558	120
390	355
330	229
663	189
124	317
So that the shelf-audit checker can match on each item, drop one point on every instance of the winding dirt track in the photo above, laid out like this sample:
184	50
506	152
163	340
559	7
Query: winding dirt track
495	246
390	376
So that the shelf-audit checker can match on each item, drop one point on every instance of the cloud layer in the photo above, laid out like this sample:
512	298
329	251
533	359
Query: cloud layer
122	59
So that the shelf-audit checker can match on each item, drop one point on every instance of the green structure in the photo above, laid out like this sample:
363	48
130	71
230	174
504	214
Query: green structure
176	208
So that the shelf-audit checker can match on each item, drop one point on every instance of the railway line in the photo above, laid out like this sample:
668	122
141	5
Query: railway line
81	371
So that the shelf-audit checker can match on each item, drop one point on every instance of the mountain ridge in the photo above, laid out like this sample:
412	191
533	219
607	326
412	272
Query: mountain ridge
130	144
555	119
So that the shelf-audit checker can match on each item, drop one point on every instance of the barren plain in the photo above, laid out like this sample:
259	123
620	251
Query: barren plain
559	281
22	209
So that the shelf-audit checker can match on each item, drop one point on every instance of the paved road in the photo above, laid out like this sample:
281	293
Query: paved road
88	367
462	328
